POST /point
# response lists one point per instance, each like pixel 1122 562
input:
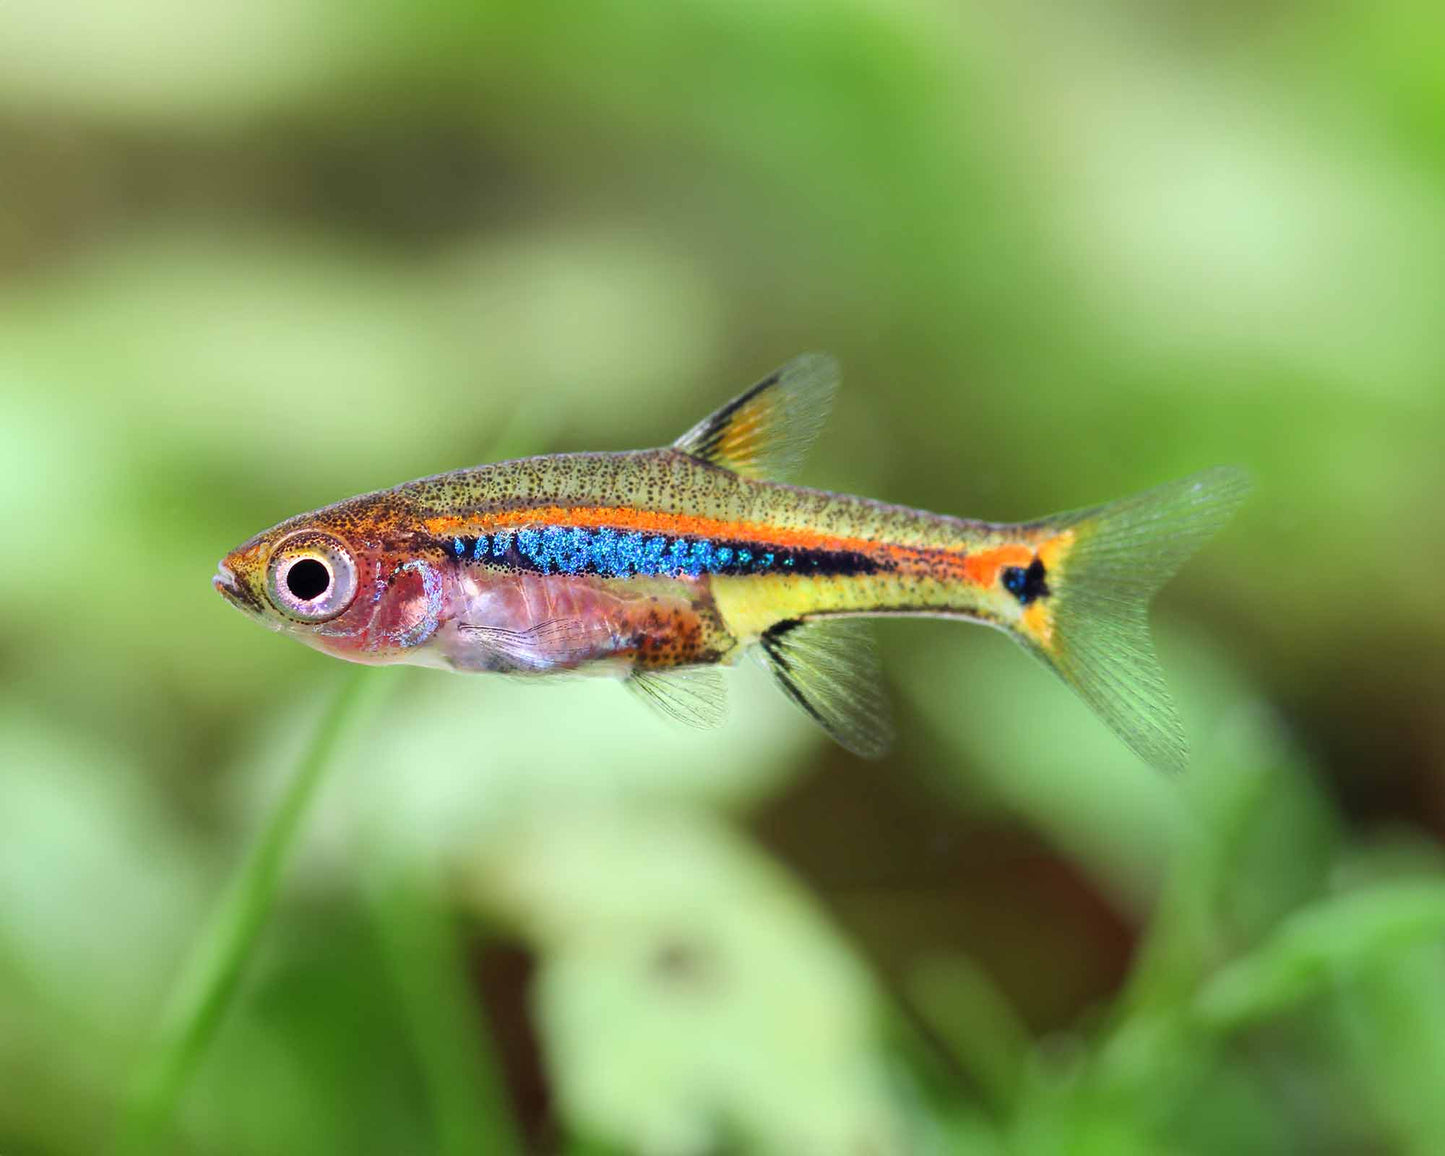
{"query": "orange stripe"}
pixel 980 568
pixel 682 525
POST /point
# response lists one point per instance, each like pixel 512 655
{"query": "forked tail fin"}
pixel 1104 565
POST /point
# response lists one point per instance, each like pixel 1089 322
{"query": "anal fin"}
pixel 829 668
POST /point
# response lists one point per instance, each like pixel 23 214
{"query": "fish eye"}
pixel 308 579
pixel 311 577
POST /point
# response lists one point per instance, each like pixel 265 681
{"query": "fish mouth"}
pixel 234 592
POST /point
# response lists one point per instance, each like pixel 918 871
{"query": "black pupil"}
pixel 308 579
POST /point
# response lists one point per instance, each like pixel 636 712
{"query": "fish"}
pixel 662 567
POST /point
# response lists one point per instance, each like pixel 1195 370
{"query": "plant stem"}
pixel 457 1060
pixel 210 975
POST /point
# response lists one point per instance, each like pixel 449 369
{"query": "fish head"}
pixel 331 580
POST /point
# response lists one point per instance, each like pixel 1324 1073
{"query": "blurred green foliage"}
pixel 258 257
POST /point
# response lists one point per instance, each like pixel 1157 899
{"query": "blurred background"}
pixel 257 257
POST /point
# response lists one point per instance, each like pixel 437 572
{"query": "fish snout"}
pixel 233 590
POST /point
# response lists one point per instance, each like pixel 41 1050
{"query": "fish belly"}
pixel 526 623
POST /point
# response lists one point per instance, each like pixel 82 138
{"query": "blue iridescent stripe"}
pixel 613 553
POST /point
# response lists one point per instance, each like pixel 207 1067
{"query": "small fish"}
pixel 661 566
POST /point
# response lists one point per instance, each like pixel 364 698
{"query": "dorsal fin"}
pixel 766 432
pixel 829 667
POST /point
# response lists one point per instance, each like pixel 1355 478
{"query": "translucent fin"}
pixel 693 695
pixel 829 667
pixel 1104 565
pixel 554 642
pixel 766 432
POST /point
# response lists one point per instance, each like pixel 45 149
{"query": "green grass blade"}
pixel 975 1021
pixel 461 1072
pixel 210 976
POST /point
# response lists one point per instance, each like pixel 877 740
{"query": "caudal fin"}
pixel 1104 565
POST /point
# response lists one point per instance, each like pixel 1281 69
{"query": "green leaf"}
pixel 689 994
pixel 1318 946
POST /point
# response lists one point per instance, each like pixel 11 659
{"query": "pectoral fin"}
pixel 554 643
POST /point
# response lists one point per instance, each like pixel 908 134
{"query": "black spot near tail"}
pixel 1026 585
